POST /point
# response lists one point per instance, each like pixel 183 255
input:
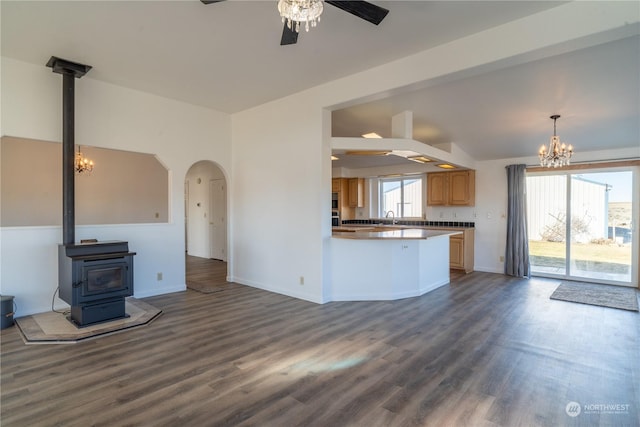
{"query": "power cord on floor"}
pixel 53 298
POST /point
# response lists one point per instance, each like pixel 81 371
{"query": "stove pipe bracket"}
pixel 70 71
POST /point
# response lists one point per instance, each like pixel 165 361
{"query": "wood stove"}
pixel 93 277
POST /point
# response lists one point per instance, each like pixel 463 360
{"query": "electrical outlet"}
pixel 301 280
pixel 159 276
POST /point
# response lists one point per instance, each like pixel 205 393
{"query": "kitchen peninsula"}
pixel 389 264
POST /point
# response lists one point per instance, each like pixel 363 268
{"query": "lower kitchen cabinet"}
pixel 461 248
pixel 456 252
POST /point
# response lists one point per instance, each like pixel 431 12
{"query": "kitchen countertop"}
pixel 352 228
pixel 400 226
pixel 394 233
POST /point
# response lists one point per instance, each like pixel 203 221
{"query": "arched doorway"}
pixel 206 212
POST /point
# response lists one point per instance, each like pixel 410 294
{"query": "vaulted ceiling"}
pixel 226 56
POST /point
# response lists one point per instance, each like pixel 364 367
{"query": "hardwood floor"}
pixel 487 350
pixel 206 271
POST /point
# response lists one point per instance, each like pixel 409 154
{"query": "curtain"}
pixel 516 260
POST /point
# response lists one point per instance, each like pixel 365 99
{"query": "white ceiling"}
pixel 227 57
pixel 505 113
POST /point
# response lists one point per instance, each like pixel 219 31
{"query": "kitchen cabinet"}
pixel 461 251
pixel 456 252
pixel 437 189
pixel 457 188
pixel 461 248
pixel 335 185
pixel 356 192
pixel 462 188
pixel 340 186
pixel 350 192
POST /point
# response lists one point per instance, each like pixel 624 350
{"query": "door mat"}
pixel 54 328
pixel 601 295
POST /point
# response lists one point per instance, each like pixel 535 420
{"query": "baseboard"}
pixel 281 291
pixel 488 270
pixel 159 291
pixel 387 296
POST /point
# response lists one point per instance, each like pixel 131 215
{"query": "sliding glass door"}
pixel 581 225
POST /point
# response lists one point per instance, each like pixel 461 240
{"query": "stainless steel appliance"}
pixel 335 219
pixel 334 200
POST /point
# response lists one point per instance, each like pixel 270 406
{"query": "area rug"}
pixel 54 328
pixel 602 295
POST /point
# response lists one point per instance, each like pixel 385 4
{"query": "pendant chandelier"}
pixel 82 164
pixel 294 12
pixel 558 154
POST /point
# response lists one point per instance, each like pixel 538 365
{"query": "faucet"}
pixel 393 217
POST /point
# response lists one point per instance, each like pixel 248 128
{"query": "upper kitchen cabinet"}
pixel 356 192
pixel 457 188
pixel 437 189
pixel 335 185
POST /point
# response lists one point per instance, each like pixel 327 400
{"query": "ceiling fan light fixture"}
pixel 295 12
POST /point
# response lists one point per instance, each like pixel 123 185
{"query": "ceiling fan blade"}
pixel 361 9
pixel 210 1
pixel 289 36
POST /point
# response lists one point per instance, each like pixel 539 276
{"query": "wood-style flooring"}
pixel 487 350
pixel 201 271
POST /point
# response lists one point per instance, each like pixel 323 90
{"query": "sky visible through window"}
pixel 620 184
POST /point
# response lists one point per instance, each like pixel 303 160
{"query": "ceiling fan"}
pixel 362 9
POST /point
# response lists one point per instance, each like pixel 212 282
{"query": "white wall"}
pixel 281 190
pixel 112 117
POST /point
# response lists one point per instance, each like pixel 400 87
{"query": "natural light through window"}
pixel 580 225
pixel 401 197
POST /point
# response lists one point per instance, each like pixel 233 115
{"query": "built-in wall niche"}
pixel 124 188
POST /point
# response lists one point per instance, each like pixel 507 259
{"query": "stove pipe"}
pixel 70 71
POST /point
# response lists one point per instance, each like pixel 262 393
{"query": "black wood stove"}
pixel 93 277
